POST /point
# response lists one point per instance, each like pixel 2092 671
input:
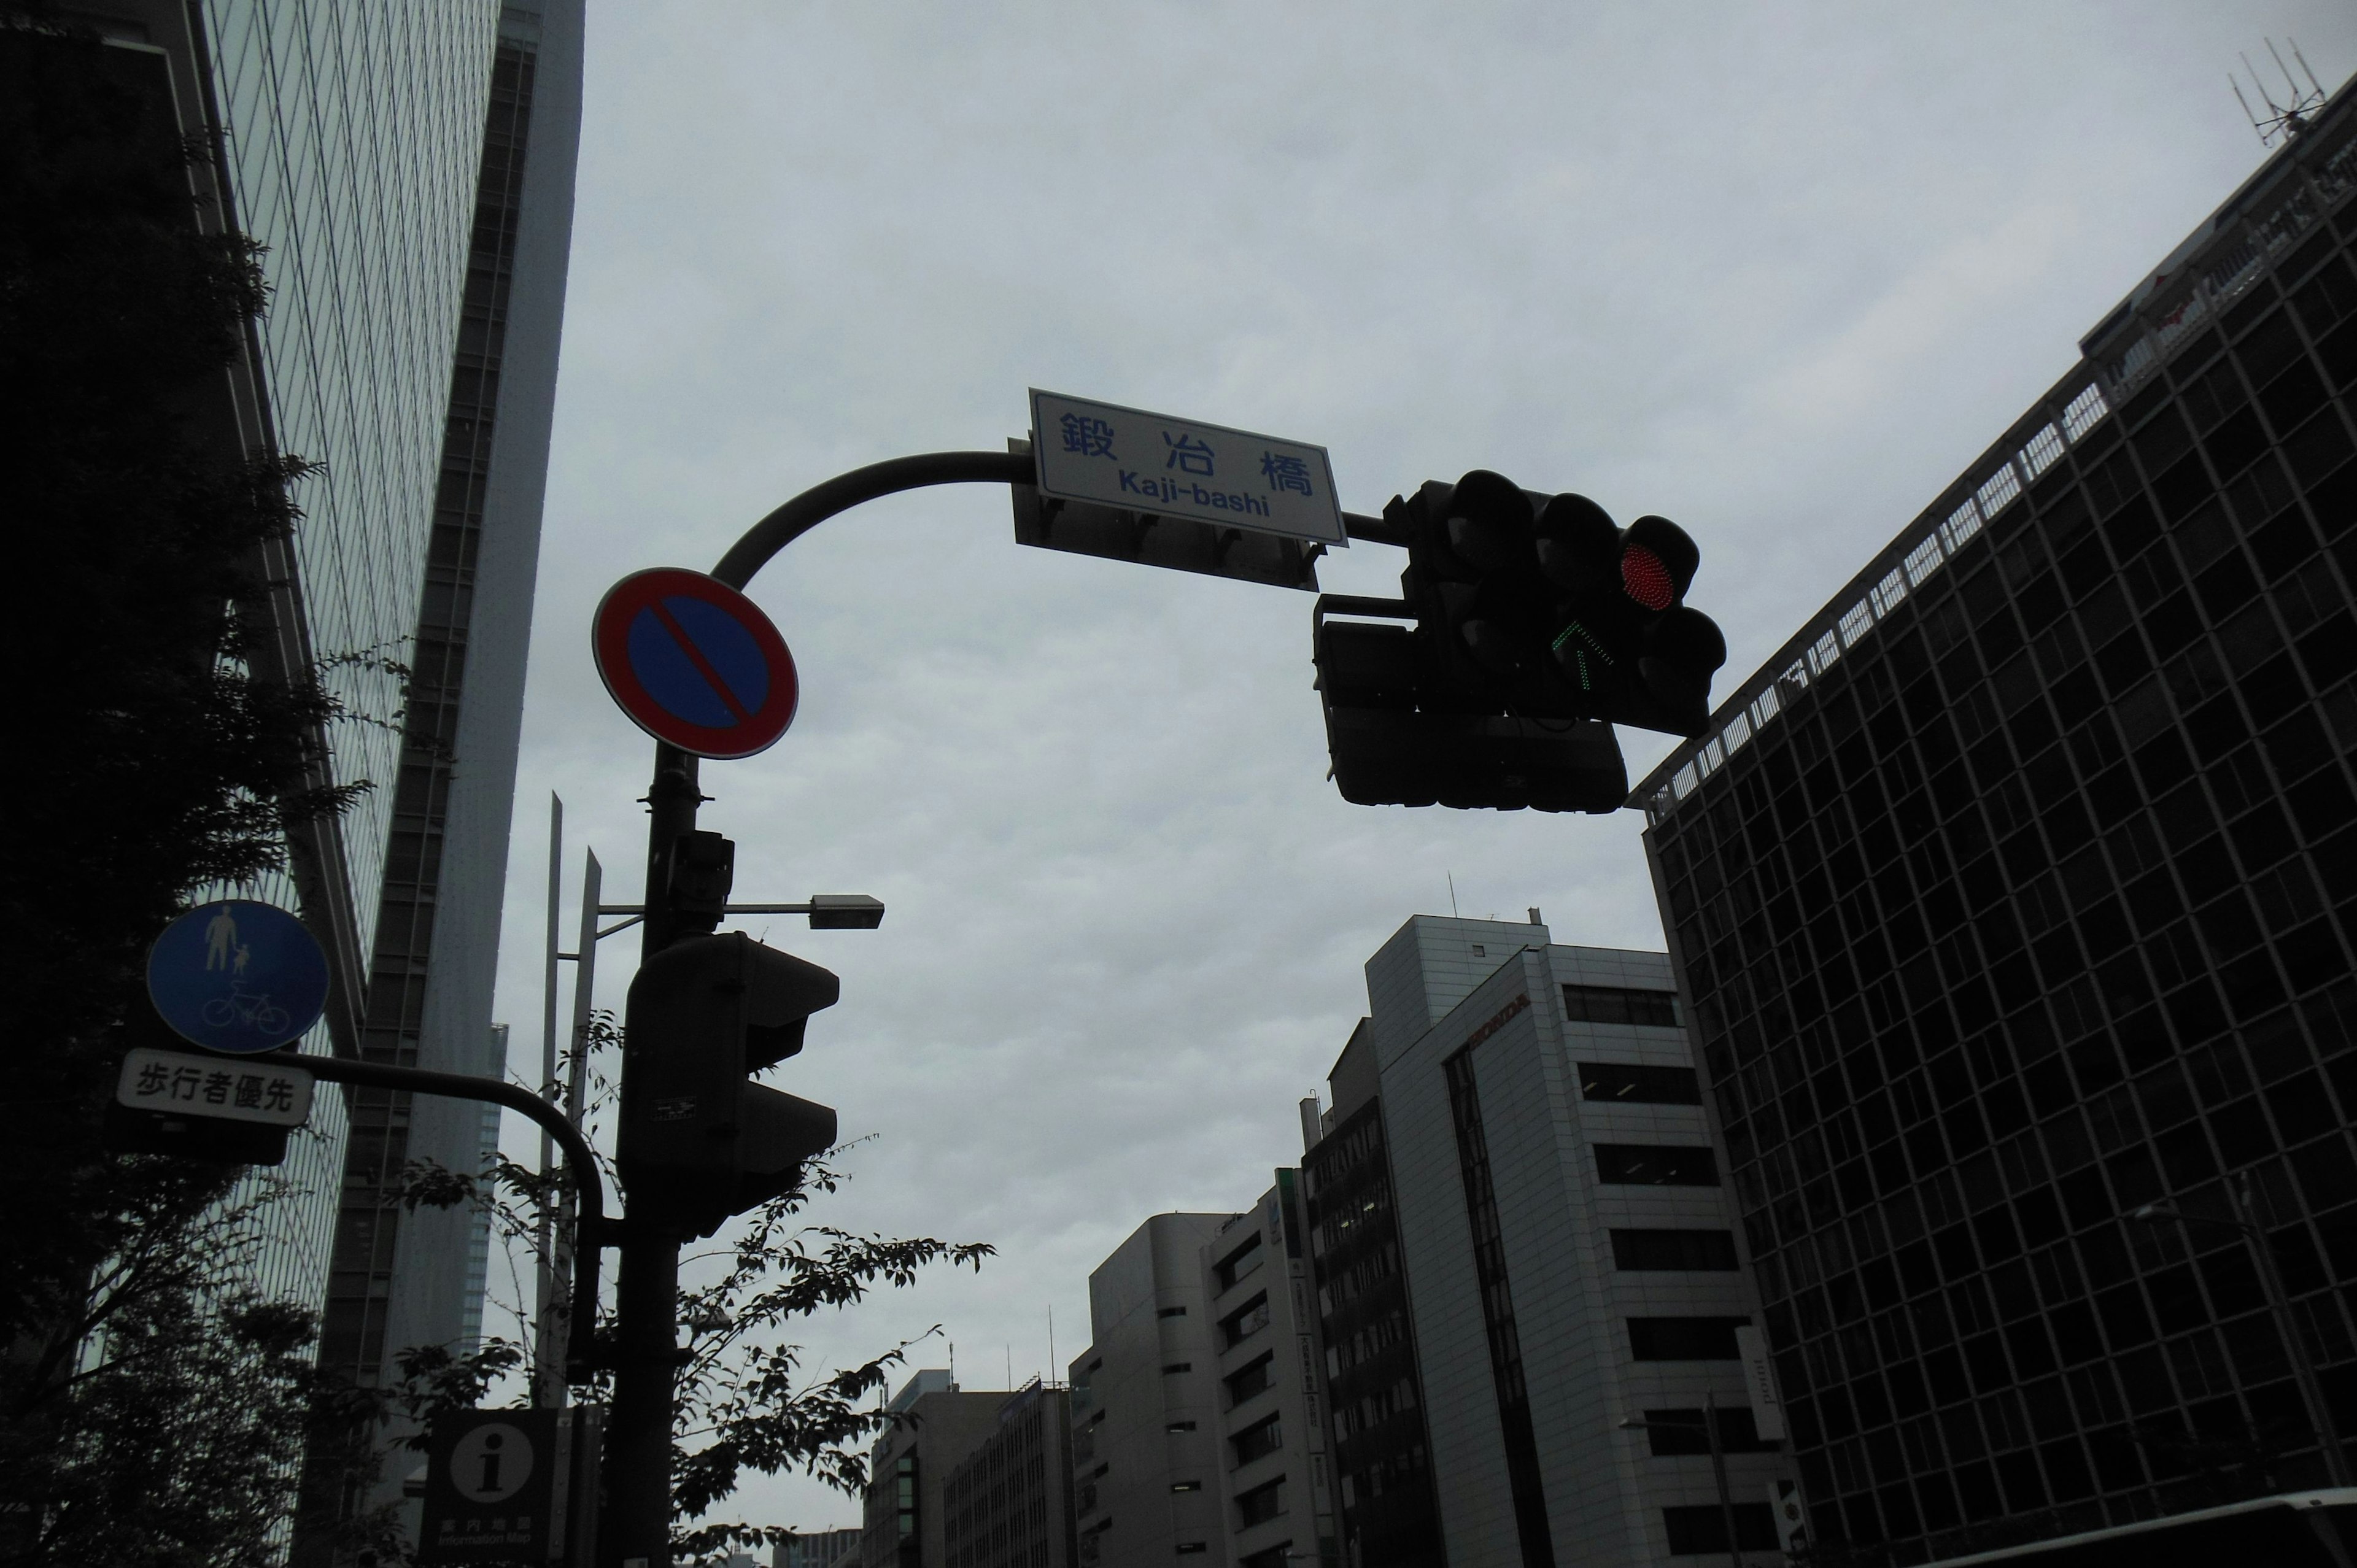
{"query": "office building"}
pixel 1275 1473
pixel 1008 1504
pixel 407 172
pixel 817 1549
pixel 906 1522
pixel 2014 895
pixel 1145 1402
pixel 1388 1516
pixel 1566 1255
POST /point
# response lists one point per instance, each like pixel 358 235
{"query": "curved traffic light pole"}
pixel 579 1160
pixel 637 1533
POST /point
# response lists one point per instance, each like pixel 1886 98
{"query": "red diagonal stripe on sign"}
pixel 695 657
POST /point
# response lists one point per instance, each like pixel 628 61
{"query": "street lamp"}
pixel 1709 1424
pixel 2311 1393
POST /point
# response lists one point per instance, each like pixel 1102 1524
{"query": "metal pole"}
pixel 547 1387
pixel 2311 1393
pixel 1718 1468
pixel 646 1340
pixel 576 1091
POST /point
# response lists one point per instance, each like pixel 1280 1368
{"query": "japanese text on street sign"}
pixel 1110 456
pixel 244 1090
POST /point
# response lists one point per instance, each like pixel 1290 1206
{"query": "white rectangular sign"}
pixel 1109 456
pixel 1767 1410
pixel 229 1088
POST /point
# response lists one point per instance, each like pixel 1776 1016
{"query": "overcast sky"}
pixel 1778 273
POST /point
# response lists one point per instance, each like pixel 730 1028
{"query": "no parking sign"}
pixel 695 662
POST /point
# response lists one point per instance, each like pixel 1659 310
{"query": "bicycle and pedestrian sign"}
pixel 238 976
pixel 1105 455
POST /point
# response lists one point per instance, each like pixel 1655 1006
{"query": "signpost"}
pixel 272 1093
pixel 238 976
pixel 511 1485
pixel 1109 456
pixel 695 663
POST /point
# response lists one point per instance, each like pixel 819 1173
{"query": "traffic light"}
pixel 698 1143
pixel 1542 605
pixel 1538 625
pixel 1402 734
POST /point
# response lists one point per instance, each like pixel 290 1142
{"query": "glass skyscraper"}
pixel 407 169
pixel 2015 894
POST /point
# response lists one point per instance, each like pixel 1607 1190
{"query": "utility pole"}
pixel 646 1342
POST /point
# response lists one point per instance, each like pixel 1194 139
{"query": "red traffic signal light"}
pixel 699 1142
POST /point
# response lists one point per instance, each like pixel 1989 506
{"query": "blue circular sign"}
pixel 238 976
pixel 695 662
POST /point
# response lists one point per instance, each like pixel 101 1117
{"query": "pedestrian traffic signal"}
pixel 698 1143
pixel 1540 606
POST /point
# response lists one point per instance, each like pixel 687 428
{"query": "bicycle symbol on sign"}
pixel 254 1011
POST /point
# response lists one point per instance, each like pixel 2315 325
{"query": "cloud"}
pixel 1775 271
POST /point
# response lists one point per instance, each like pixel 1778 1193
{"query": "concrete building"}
pixel 408 172
pixel 1567 1254
pixel 1275 1474
pixel 2015 893
pixel 1145 1402
pixel 818 1548
pixel 1008 1504
pixel 907 1513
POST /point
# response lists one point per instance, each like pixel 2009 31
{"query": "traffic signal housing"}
pixel 1540 605
pixel 699 1142
pixel 1538 624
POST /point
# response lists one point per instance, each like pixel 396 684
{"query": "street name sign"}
pixel 238 976
pixel 695 663
pixel 1105 455
pixel 273 1092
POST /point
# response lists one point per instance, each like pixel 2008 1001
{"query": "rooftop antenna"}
pixel 2285 120
pixel 1052 1364
pixel 1452 895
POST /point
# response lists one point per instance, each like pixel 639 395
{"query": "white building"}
pixel 1568 1252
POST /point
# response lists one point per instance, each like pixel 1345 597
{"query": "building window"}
pixel 1238 1264
pixel 1245 1322
pixel 1180 1426
pixel 1193 1548
pixel 1697 1250
pixel 1684 1339
pixel 1633 1085
pixel 1679 1432
pixel 1168 1368
pixel 1701 1528
pixel 1185 1486
pixel 1254 1377
pixel 1656 1164
pixel 1172 1312
pixel 1618 1005
pixel 1258 1441
pixel 1260 1503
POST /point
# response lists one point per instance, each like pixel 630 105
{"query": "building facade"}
pixel 416 262
pixel 1567 1250
pixel 1008 1504
pixel 1145 1402
pixel 906 1522
pixel 1276 1486
pixel 817 1549
pixel 1387 1515
pixel 2015 893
